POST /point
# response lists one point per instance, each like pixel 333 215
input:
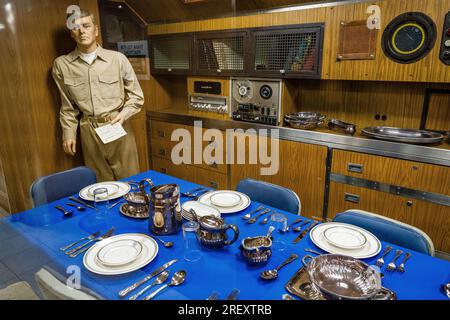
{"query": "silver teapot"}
pixel 212 231
pixel 164 207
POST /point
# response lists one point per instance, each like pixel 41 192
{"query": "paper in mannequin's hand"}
pixel 110 133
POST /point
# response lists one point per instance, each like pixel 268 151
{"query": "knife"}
pixel 126 291
pixel 304 233
pixel 81 202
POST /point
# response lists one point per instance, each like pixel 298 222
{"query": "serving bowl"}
pixel 339 277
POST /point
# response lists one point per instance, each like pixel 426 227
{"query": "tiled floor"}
pixel 19 261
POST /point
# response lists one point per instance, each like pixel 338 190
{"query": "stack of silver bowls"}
pixel 304 120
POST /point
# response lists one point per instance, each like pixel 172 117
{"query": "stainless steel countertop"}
pixel 404 151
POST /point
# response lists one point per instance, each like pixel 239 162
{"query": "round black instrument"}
pixel 266 92
pixel 409 37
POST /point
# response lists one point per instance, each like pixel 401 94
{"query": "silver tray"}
pixel 403 135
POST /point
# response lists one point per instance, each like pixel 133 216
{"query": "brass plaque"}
pixel 357 41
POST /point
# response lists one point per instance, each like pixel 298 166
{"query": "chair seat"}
pixel 389 230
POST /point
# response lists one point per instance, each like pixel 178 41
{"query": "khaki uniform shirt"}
pixel 108 84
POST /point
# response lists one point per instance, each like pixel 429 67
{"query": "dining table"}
pixel 32 239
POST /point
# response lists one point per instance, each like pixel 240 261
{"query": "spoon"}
pixel 249 215
pixel 79 208
pixel 66 213
pixel 266 219
pixel 177 279
pixel 273 274
pixel 161 279
pixel 166 244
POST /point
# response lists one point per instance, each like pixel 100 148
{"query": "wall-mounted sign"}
pixel 137 53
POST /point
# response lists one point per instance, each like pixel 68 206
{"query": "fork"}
pixel 401 267
pixel 213 296
pixel 251 221
pixel 380 261
pixel 391 266
pixel 78 250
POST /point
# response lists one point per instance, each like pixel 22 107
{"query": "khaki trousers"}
pixel 113 161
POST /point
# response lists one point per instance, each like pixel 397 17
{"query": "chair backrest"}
pixel 53 287
pixel 389 230
pixel 60 185
pixel 271 195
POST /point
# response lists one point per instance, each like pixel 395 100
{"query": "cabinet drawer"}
pixel 433 219
pixel 163 130
pixel 403 173
pixel 167 167
pixel 210 179
pixel 162 148
pixel 191 173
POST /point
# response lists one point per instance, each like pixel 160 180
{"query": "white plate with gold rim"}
pixel 371 248
pixel 115 189
pixel 149 252
pixel 242 205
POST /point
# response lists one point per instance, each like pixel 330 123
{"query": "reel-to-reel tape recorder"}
pixel 256 100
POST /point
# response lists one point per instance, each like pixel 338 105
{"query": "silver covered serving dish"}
pixel 403 135
pixel 339 277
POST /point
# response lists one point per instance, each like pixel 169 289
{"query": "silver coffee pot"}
pixel 164 207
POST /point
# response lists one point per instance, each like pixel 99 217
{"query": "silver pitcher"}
pixel 164 207
pixel 212 231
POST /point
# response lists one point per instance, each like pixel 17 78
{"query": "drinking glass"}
pixel 191 245
pixel 279 221
pixel 97 220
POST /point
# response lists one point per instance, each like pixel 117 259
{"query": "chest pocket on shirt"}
pixel 77 88
pixel 109 86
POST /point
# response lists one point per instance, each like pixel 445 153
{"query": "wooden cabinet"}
pixel 396 172
pixel 293 51
pixel 191 173
pixel 288 51
pixel 214 175
pixel 306 178
pixel 221 53
pixel 433 219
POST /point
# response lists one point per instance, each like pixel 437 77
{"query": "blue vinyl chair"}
pixel 389 230
pixel 271 195
pixel 60 185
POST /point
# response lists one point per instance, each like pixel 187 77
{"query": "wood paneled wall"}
pixel 34 35
pixel 359 102
pixel 4 201
pixel 429 69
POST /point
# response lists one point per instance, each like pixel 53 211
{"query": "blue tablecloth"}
pixel 220 270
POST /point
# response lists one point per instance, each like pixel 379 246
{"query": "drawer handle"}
pixel 351 198
pixel 161 134
pixel 162 152
pixel 214 185
pixel 214 165
pixel 354 167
